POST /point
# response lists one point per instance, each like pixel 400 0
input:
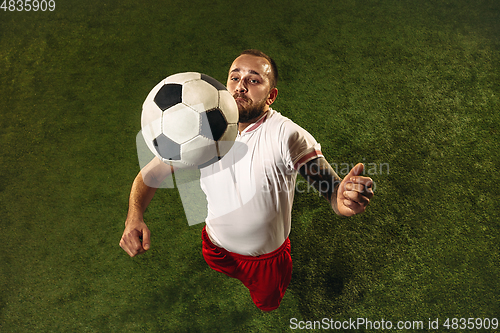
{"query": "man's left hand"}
pixel 354 192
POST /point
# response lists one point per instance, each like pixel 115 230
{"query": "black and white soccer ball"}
pixel 189 120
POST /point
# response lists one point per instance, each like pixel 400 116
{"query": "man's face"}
pixel 249 83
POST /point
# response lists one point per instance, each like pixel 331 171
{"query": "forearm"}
pixel 333 203
pixel 145 185
pixel 320 175
pixel 140 197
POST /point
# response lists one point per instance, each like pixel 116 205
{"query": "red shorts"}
pixel 266 276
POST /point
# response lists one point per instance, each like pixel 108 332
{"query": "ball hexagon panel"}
pixel 217 85
pixel 181 78
pixel 153 92
pixel 227 140
pixel 168 95
pixel 199 149
pixel 151 123
pixel 200 95
pixel 181 123
pixel 166 148
pixel 213 124
pixel 228 106
pixel 151 120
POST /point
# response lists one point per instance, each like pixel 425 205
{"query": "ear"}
pixel 272 96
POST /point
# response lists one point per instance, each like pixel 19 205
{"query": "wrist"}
pixel 134 217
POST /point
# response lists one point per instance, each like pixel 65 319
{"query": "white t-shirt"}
pixel 250 190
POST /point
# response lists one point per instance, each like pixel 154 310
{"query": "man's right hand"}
pixel 134 232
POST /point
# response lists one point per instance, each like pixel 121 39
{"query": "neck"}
pixel 242 126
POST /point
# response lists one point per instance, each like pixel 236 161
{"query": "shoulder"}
pixel 296 145
pixel 289 131
pixel 283 126
pixel 275 118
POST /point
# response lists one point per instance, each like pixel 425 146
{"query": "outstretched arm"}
pixel 140 197
pixel 347 197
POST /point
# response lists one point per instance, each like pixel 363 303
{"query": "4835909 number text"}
pixel 28 5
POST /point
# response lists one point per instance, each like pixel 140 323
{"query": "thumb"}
pixel 146 239
pixel 356 171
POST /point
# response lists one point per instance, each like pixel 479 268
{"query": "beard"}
pixel 248 110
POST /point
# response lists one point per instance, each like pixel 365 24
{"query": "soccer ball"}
pixel 189 120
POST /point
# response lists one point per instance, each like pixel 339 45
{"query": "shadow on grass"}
pixel 322 284
pixel 191 298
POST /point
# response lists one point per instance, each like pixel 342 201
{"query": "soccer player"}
pixel 250 198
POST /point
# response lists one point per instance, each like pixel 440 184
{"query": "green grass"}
pixel 411 84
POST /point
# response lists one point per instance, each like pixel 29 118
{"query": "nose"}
pixel 240 87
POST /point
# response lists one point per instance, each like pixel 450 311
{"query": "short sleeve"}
pixel 297 145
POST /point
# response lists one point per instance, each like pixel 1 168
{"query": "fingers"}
pixel 356 171
pixel 355 194
pixel 129 245
pixel 131 241
pixel 353 206
pixel 348 207
pixel 359 186
pixel 356 197
pixel 146 242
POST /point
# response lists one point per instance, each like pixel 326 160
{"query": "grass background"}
pixel 411 84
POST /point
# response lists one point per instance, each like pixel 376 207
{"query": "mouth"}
pixel 239 98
